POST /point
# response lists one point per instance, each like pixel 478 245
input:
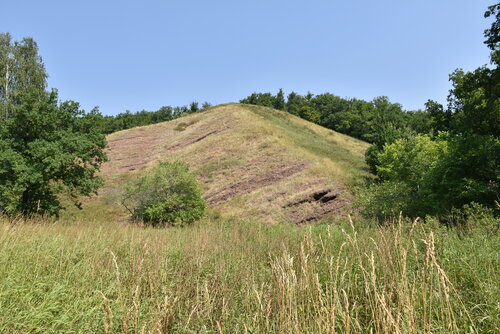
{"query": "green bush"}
pixel 385 200
pixel 169 195
pixel 474 216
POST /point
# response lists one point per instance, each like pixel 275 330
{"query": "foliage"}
pixel 457 163
pixel 279 101
pixel 474 102
pixel 128 119
pixel 408 160
pixel 439 174
pixel 474 216
pixel 385 200
pixel 493 33
pixel 21 69
pixel 405 167
pixel 47 148
pixel 467 173
pixel 169 195
pixel 260 99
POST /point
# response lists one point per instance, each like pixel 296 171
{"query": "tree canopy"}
pixel 47 147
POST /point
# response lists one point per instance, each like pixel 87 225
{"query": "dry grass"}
pixel 251 161
pixel 226 277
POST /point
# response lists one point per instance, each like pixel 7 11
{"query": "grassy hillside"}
pixel 252 162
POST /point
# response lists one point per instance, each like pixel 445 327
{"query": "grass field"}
pixel 226 277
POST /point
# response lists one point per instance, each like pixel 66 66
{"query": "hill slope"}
pixel 252 162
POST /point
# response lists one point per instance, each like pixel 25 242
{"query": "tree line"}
pixel 128 119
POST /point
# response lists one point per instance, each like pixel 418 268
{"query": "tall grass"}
pixel 226 277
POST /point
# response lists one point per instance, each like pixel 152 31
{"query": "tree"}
pixel 163 114
pixel 279 101
pixel 194 107
pixel 47 149
pixel 467 173
pixel 294 103
pixel 493 33
pixel 310 114
pixel 205 105
pixel 260 99
pixel 21 69
pixel 406 168
pixel 168 195
pixel 440 119
pixel 470 172
pixel 474 102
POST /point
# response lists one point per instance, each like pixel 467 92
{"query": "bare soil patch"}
pixel 134 151
pixel 320 203
pixel 196 139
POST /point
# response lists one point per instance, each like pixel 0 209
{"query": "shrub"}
pixel 384 200
pixel 169 195
pixel 474 216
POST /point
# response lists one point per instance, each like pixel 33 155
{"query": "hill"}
pixel 252 162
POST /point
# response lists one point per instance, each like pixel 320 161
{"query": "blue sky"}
pixel 137 55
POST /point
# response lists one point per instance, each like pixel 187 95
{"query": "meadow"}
pixel 222 276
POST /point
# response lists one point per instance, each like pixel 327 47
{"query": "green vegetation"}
pixel 458 163
pixel 21 70
pixel 168 195
pixel 47 148
pixel 434 161
pixel 128 119
pixel 236 277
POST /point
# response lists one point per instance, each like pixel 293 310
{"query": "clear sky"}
pixel 137 55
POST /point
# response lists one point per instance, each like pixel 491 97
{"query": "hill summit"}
pixel 253 163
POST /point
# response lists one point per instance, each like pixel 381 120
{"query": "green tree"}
pixel 279 101
pixel 474 102
pixel 206 105
pixel 47 149
pixel 260 99
pixel 405 167
pixel 467 173
pixel 21 69
pixel 440 119
pixel 310 114
pixel 294 103
pixel 194 107
pixel 168 195
pixel 493 33
pixel 470 172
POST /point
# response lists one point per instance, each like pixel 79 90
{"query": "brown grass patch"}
pixel 254 183
pixel 195 139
